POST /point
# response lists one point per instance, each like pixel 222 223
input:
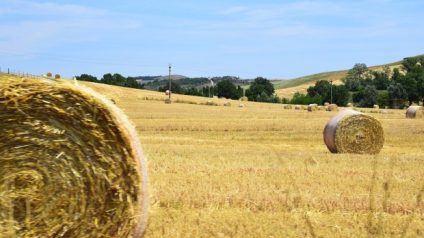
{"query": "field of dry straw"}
pixel 262 171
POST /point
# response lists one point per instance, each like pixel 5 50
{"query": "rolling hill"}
pixel 287 88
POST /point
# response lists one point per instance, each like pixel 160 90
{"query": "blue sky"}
pixel 273 39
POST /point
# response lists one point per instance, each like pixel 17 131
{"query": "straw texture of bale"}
pixel 297 107
pixel 415 112
pixel 287 106
pixel 71 164
pixel 312 107
pixel 350 131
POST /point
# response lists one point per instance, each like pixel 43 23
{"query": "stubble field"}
pixel 262 171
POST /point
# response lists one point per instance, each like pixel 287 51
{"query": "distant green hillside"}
pixel 280 84
pixel 332 75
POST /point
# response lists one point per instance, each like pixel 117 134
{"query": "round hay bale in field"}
pixel 376 106
pixel 287 106
pixel 71 163
pixel 297 107
pixel 227 104
pixel 332 108
pixel 312 107
pixel 244 99
pixel 349 104
pixel 350 131
pixel 326 104
pixel 415 112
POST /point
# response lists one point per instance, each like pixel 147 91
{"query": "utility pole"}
pixel 331 91
pixel 169 77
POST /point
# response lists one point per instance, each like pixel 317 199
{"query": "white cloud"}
pixel 47 24
pixel 23 7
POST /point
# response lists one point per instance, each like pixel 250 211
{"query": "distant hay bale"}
pixel 287 106
pixel 350 104
pixel 244 99
pixel 49 75
pixel 350 131
pixel 57 76
pixel 326 104
pixel 321 108
pixel 415 112
pixel 297 107
pixel 167 92
pixel 71 163
pixel 312 107
pixel 211 103
pixel 227 104
pixel 331 108
pixel 376 106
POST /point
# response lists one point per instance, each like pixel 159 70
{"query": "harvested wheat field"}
pixel 261 171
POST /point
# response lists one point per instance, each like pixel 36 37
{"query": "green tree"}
pixel 354 80
pixel 383 99
pixel 397 94
pixel 227 89
pixel 381 80
pixel 299 98
pixel 258 86
pixel 340 95
pixel 369 96
pixel 87 77
pixel 175 88
pixel 323 89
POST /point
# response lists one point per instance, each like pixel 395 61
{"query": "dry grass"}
pixel 260 171
pixel 246 172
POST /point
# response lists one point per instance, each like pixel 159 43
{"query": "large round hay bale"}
pixel 415 112
pixel 287 106
pixel 71 164
pixel 350 131
pixel 297 107
pixel 312 107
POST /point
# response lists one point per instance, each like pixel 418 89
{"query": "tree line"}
pixel 112 79
pixel 364 87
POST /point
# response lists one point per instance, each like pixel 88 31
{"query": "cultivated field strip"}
pixel 261 171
